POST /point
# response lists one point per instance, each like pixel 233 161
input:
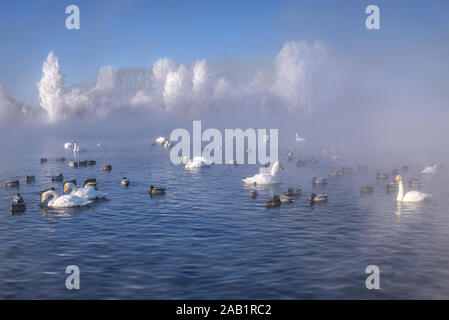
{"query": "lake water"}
pixel 206 239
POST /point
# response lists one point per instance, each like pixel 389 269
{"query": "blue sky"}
pixel 137 33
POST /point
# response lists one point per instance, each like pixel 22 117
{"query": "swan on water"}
pixel 64 201
pixel 265 177
pixel 89 193
pixel 163 142
pixel 299 139
pixel 431 169
pixel 265 138
pixel 197 162
pixel 411 196
pixel 77 148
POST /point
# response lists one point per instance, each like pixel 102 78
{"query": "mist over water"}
pixel 307 88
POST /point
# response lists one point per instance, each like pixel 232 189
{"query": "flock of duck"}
pixel 268 175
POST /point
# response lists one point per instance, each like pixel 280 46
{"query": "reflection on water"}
pixel 206 238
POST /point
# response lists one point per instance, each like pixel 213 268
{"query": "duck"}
pixel 335 173
pixel 414 183
pixel 318 197
pixel 273 202
pixel 252 193
pixel 43 160
pixel 390 187
pixel 58 177
pixel 366 189
pixel 265 178
pixel 316 180
pixel 380 176
pixel 99 145
pixel 82 163
pixel 289 156
pixel 154 191
pixel 431 169
pixel 87 192
pixel 18 205
pixel 12 184
pixel 106 167
pixel 293 192
pixel 64 201
pixel 346 170
pixel 73 164
pixel 298 161
pixel 334 157
pixel 29 179
pixel 411 196
pixel 125 182
pixel 314 160
pixel 68 145
pixel 286 199
pixel 197 162
pixel 90 183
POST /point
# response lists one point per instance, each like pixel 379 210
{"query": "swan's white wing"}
pixel 68 201
pixel 416 196
pixel 161 140
pixel 90 194
pixel 260 178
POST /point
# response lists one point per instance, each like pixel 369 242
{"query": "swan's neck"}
pixel 275 169
pixel 401 191
pixel 53 196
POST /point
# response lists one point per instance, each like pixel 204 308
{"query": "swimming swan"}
pixel 299 139
pixel 87 193
pixel 197 162
pixel 265 178
pixel 163 142
pixel 432 169
pixel 64 201
pixel 411 196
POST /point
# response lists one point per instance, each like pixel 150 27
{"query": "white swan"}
pixel 411 196
pixel 197 162
pixel 77 148
pixel 265 138
pixel 299 139
pixel 265 177
pixel 64 201
pixel 88 193
pixel 163 142
pixel 432 169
